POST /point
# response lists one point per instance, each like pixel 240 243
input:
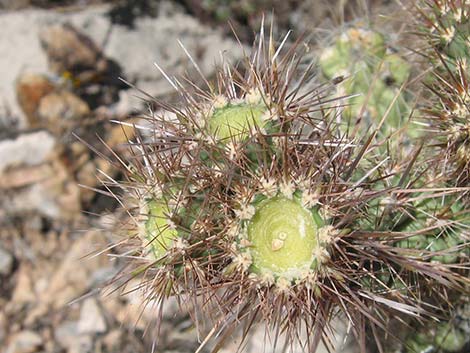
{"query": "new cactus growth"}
pixel 230 121
pixel 283 236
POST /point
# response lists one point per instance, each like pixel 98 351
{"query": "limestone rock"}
pixel 26 150
pixel 30 89
pixel 24 290
pixel 68 337
pixel 91 318
pixel 133 49
pixel 45 188
pixel 73 277
pixel 69 50
pixel 157 40
pixel 6 262
pixel 20 52
pixel 25 342
pixel 112 340
pixel 66 333
pixel 84 344
pixel 60 109
pixel 3 324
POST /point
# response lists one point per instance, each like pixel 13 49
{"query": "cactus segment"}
pixel 450 338
pixel 362 54
pixel 283 239
pixel 234 121
pixel 445 337
pixel 353 47
pixel 158 230
pixel 283 236
pixel 454 34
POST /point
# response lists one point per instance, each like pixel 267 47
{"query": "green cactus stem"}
pixel 234 121
pixel 362 54
pixel 283 236
pixel 445 337
pixel 158 230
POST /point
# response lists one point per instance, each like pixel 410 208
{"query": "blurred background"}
pixel 60 69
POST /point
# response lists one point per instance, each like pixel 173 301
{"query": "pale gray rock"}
pixel 21 51
pixel 73 276
pixel 91 318
pixel 83 344
pixel 25 342
pixel 134 49
pixel 66 334
pixel 26 149
pixel 71 340
pixel 32 178
pixel 6 262
pixel 156 40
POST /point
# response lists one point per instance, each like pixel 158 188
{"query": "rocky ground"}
pixel 60 86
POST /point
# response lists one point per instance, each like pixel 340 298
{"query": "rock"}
pixel 21 51
pixel 3 323
pixel 23 176
pixel 14 4
pixel 24 290
pixel 87 176
pixel 112 341
pixel 156 40
pixel 60 109
pixel 134 50
pixel 33 178
pixel 69 50
pixel 26 149
pixel 83 344
pixel 69 338
pixel 25 342
pixel 46 189
pixel 30 89
pixel 6 262
pixel 91 318
pixel 66 334
pixel 73 277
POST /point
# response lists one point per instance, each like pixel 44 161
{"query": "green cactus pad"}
pixel 398 70
pixel 454 36
pixel 363 41
pixel 234 121
pixel 450 338
pixel 443 338
pixel 157 232
pixel 283 237
pixel 355 47
pixel 362 54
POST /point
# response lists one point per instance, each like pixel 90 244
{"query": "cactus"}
pixel 446 24
pixel 375 74
pixel 441 337
pixel 444 28
pixel 254 205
